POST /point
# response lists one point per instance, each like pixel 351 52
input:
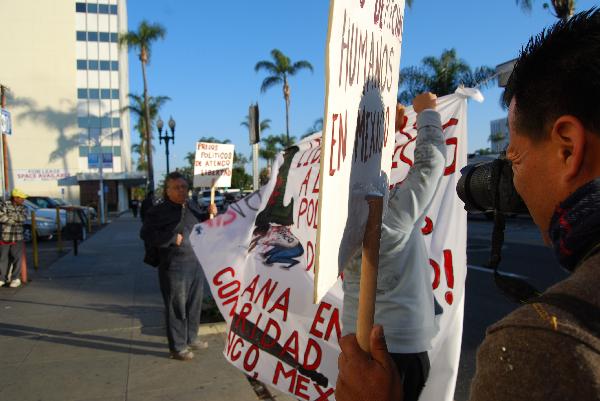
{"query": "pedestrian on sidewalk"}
pixel 134 205
pixel 168 226
pixel 12 216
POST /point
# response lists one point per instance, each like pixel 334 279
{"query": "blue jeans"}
pixel 182 287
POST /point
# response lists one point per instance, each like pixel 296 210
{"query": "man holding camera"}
pixel 548 349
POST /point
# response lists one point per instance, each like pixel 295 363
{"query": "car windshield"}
pixel 206 194
pixel 43 202
pixel 30 204
pixel 60 202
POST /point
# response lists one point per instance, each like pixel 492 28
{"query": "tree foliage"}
pixel 279 70
pixel 441 75
pixel 561 9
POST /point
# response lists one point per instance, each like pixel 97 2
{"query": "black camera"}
pixel 488 187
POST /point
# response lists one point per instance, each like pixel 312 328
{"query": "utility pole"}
pixel 3 90
pixel 254 126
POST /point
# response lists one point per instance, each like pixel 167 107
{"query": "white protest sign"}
pixel 258 257
pixel 363 66
pixel 213 165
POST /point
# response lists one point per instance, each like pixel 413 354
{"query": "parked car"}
pixel 204 200
pixel 89 211
pixel 45 212
pixel 45 228
pixel 52 203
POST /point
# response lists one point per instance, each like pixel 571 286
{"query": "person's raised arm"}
pixel 410 199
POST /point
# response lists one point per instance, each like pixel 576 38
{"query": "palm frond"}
pixel 300 65
pixel 269 82
pixel 267 66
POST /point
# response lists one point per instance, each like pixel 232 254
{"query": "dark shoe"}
pixel 185 355
pixel 198 345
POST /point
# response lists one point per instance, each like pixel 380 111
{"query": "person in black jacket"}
pixel 147 204
pixel 167 226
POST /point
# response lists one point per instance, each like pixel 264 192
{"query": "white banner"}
pixel 363 66
pixel 259 259
pixel 213 165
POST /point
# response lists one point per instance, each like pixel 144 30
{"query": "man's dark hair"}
pixel 558 73
pixel 175 175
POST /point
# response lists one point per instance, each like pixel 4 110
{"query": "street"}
pixel 523 254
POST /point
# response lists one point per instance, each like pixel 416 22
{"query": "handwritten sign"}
pixel 263 282
pixel 363 63
pixel 213 165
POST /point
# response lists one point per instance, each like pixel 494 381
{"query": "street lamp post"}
pixel 166 137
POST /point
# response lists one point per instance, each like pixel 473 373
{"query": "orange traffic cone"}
pixel 24 265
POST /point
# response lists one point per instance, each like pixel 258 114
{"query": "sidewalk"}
pixel 90 328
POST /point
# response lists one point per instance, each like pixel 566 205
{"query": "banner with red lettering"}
pixel 259 259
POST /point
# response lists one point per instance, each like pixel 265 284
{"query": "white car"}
pixel 45 228
pixel 204 200
pixel 49 214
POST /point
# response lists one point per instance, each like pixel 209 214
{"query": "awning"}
pixel 132 178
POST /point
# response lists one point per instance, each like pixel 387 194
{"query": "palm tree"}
pixel 563 9
pixel 264 124
pixel 280 69
pixel 273 144
pixel 142 39
pixel 137 107
pixel 316 127
pixel 441 76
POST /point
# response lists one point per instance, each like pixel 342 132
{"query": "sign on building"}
pixel 93 159
pixel 5 122
pixel 213 165
pixel 363 65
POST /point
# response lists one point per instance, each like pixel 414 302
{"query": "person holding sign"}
pixel 549 348
pixel 405 301
pixel 168 226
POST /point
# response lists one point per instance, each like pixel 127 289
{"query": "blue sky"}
pixel 206 61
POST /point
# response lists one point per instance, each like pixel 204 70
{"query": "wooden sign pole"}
pixel 212 197
pixel 368 272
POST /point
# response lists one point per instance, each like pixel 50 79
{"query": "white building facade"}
pixel 68 81
pixel 499 129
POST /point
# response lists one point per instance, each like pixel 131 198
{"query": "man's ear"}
pixel 568 136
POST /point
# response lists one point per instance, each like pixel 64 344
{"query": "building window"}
pixel 82 64
pixel 81 35
pixel 115 93
pixel 94 94
pixel 93 65
pixel 82 122
pixel 80 7
pixel 105 65
pixel 116 150
pixel 92 36
pixel 116 122
pixel 105 93
pixel 92 8
pixel 103 8
pixel 81 93
pixel 114 37
pixel 114 65
pixel 104 37
pixel 113 9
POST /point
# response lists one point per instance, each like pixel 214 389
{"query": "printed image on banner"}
pixel 213 165
pixel 363 66
pixel 259 260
